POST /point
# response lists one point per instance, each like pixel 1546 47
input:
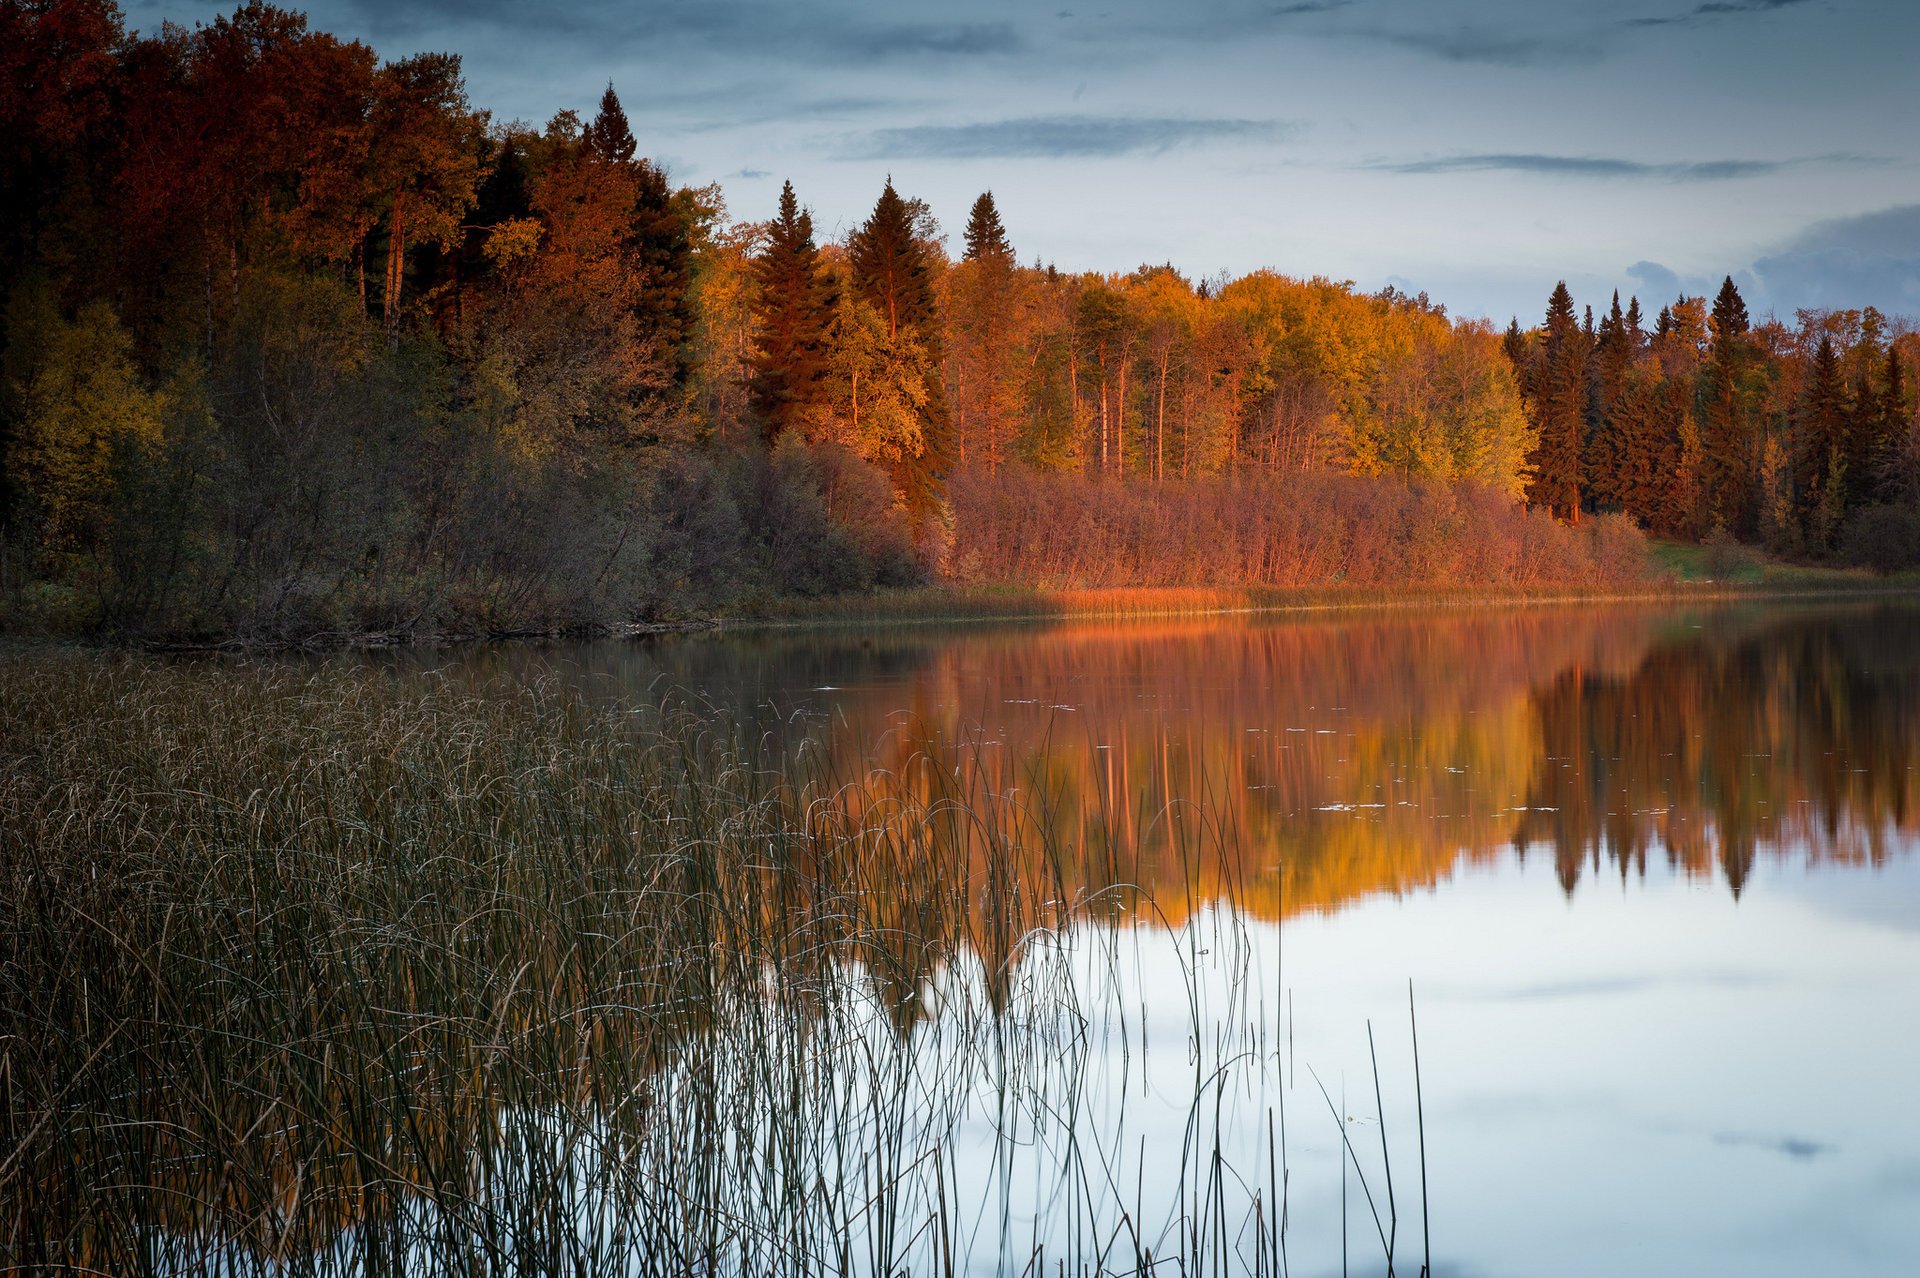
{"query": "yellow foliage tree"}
pixel 84 409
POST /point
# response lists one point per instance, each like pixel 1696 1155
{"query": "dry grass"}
pixel 315 970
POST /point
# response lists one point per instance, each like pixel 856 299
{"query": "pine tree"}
pixel 795 313
pixel 609 137
pixel 1821 446
pixel 1559 410
pixel 892 271
pixel 656 244
pixel 1514 342
pixel 663 250
pixel 982 376
pixel 1891 434
pixel 1605 451
pixel 986 237
pixel 1726 434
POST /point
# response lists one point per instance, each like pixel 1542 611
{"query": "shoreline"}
pixel 957 606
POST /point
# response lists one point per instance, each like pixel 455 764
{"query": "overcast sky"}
pixel 1477 149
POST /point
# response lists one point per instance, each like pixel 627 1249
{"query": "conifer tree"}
pixel 663 249
pixel 892 271
pixel 1514 342
pixel 1820 473
pixel 656 243
pixel 1726 432
pixel 986 237
pixel 795 311
pixel 1558 404
pixel 609 137
pixel 1605 451
pixel 982 382
pixel 1891 432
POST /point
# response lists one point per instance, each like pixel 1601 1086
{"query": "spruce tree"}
pixel 1726 440
pixel 1559 410
pixel 795 315
pixel 986 237
pixel 656 243
pixel 1514 342
pixel 608 137
pixel 892 271
pixel 1821 446
pixel 981 340
pixel 1890 439
pixel 1605 451
pixel 663 249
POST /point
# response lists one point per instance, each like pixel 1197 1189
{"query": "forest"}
pixel 299 342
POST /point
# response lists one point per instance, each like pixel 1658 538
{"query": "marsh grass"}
pixel 324 970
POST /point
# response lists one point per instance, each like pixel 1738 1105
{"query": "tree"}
pixel 1892 425
pixel 1821 447
pixel 794 314
pixel 984 361
pixel 1726 434
pixel 891 270
pixel 986 238
pixel 427 160
pixel 83 410
pixel 1604 454
pixel 1558 405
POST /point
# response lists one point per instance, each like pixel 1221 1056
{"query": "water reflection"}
pixel 1330 760
pixel 999 973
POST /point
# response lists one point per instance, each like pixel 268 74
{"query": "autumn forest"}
pixel 300 342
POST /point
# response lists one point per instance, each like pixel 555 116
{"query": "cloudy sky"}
pixel 1477 149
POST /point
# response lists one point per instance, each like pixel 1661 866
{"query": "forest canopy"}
pixel 300 340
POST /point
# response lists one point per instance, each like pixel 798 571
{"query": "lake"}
pixel 1639 882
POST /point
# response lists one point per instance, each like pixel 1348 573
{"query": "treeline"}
pixel 298 340
pixel 1801 437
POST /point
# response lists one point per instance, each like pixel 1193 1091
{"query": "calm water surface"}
pixel 1650 874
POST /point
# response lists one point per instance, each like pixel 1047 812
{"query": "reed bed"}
pixel 317 969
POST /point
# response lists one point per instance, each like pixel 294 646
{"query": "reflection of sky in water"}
pixel 1628 1068
pixel 1655 1079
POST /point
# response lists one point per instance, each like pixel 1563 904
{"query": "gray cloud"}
pixel 1491 47
pixel 1658 281
pixel 1311 6
pixel 1603 166
pixel 949 38
pixel 1716 9
pixel 1871 259
pixel 1057 136
pixel 1798 1148
pixel 736 27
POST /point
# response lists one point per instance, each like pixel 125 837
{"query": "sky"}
pixel 1478 150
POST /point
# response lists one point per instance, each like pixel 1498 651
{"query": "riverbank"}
pixel 1686 579
pixel 1683 581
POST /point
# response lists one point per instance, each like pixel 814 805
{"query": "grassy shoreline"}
pixel 934 605
pixel 1683 574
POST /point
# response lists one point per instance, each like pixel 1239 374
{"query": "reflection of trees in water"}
pixel 1316 764
pixel 1793 736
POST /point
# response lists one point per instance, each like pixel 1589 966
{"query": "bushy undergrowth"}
pixel 1288 529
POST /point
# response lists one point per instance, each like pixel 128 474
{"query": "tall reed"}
pixel 323 970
